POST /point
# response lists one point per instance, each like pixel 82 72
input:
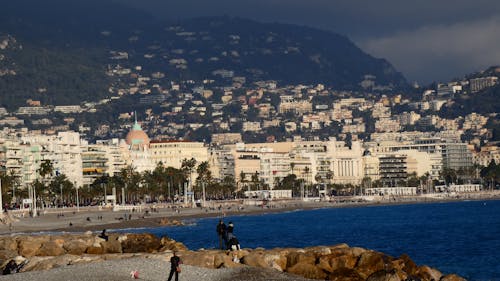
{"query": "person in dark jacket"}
pixel 229 234
pixel 234 244
pixel 221 232
pixel 175 267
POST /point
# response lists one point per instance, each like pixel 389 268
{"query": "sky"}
pixel 427 40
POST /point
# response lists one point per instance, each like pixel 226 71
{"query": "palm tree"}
pixel 255 180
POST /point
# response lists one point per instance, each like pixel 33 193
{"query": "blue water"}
pixel 456 237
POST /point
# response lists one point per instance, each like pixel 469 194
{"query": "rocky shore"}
pixel 87 257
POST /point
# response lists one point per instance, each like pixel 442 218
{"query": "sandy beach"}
pixel 150 269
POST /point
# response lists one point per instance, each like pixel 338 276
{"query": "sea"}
pixel 454 237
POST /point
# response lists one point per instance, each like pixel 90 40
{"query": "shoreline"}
pixel 88 220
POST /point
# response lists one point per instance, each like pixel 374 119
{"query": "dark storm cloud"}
pixel 425 39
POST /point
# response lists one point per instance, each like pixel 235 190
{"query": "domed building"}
pixel 137 137
pixel 138 145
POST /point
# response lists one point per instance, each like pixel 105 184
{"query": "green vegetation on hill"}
pixel 59 77
pixel 66 52
pixel 484 102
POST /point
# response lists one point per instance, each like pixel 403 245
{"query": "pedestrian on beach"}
pixel 221 233
pixel 175 266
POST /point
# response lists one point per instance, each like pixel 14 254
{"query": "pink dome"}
pixel 137 136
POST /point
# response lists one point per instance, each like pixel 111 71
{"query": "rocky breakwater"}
pixel 43 252
pixel 340 262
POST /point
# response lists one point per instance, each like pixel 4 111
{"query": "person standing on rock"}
pixel 175 266
pixel 229 234
pixel 221 232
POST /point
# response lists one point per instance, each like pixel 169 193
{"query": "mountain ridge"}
pixel 186 49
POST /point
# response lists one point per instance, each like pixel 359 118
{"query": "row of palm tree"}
pixel 169 184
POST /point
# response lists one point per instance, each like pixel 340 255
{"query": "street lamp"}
pixel 77 198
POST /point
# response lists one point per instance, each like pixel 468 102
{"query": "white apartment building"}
pixel 171 153
pixel 64 152
pixel 347 162
pixel 274 166
pixel 479 84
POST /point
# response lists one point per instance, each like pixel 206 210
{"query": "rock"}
pixel 307 270
pixel 255 259
pixel 51 248
pixel 76 247
pixel 320 251
pixel 45 263
pixel 8 244
pixel 357 251
pixel 300 257
pixel 172 245
pixel 226 260
pixel 427 273
pixel 201 259
pixel 336 261
pixel 384 275
pixel 141 243
pixel 112 245
pixel 409 265
pixel 370 262
pixel 95 249
pixel 29 246
pixel 452 277
pixel 6 255
pixel 345 274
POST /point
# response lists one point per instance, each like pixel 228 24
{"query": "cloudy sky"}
pixel 428 40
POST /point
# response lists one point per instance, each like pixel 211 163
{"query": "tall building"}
pixel 393 169
pixel 63 151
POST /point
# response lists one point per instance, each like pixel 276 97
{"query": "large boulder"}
pixel 410 267
pixel 76 246
pixel 307 270
pixel 141 243
pixel 8 243
pixel 200 259
pixel 300 256
pixel 452 277
pixel 370 262
pixel 345 274
pixel 427 273
pixel 172 245
pixel 255 259
pixel 29 246
pixel 384 275
pixel 112 245
pixel 226 260
pixel 336 261
pixel 51 248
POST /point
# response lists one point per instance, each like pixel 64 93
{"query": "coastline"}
pixel 89 219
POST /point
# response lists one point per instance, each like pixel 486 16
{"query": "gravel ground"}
pixel 149 269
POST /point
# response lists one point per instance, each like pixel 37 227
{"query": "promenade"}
pixel 149 215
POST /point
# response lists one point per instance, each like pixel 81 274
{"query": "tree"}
pixel 204 175
pixel 46 169
pixel 9 183
pixel 255 181
pixel 60 188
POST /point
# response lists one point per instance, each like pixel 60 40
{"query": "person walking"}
pixel 221 232
pixel 175 266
